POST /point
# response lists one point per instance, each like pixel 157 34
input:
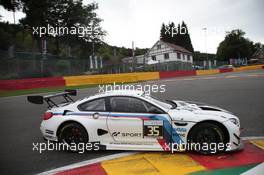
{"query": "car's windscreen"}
pixel 159 101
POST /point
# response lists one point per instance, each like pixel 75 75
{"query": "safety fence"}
pixel 22 65
pixel 67 81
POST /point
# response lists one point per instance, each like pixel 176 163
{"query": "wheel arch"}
pixel 219 124
pixel 67 122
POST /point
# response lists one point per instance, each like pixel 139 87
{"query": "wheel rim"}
pixel 208 136
pixel 72 134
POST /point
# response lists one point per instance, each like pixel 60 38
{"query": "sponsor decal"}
pixel 115 134
pixel 182 134
pixel 126 134
pixel 131 134
pixel 181 129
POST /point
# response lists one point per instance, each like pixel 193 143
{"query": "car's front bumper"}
pixel 234 136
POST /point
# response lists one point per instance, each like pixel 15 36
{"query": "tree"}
pixel 185 38
pixel 63 14
pixel 256 47
pixel 12 5
pixel 5 39
pixel 162 32
pixel 176 35
pixel 235 45
pixel 198 56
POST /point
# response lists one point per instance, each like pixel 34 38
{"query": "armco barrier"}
pixel 170 74
pixel 31 83
pixel 110 78
pixel 207 72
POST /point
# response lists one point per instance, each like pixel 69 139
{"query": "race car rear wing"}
pixel 38 99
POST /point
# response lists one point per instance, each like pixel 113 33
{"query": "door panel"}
pixel 125 128
pixel 131 121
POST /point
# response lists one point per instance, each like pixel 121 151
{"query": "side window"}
pixel 188 57
pixel 153 109
pixel 166 56
pixel 127 104
pixel 179 56
pixel 94 105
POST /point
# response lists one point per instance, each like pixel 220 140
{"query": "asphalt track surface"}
pixel 239 92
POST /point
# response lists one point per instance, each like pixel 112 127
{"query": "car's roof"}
pixel 121 92
pixel 135 93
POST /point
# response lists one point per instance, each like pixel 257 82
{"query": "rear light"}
pixel 47 115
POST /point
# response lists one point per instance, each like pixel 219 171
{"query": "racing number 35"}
pixel 153 128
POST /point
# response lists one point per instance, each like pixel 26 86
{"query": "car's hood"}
pixel 194 111
pixel 190 105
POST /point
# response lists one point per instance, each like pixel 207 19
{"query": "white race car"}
pixel 133 120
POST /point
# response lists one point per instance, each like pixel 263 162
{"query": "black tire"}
pixel 73 133
pixel 207 134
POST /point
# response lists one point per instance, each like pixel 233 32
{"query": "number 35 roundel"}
pixel 153 128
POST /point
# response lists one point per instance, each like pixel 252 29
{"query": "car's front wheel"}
pixel 73 134
pixel 207 138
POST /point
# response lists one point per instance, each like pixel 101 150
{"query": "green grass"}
pixel 41 90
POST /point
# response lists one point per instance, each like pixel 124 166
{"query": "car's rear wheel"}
pixel 207 138
pixel 73 133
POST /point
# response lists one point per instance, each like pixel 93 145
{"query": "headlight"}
pixel 235 121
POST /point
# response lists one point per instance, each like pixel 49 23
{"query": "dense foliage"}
pixel 235 45
pixel 176 35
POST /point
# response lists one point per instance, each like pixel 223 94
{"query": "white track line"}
pixel 100 159
pixel 252 137
pixel 189 78
pixel 257 170
pixel 231 76
pixel 86 162
pixel 209 78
